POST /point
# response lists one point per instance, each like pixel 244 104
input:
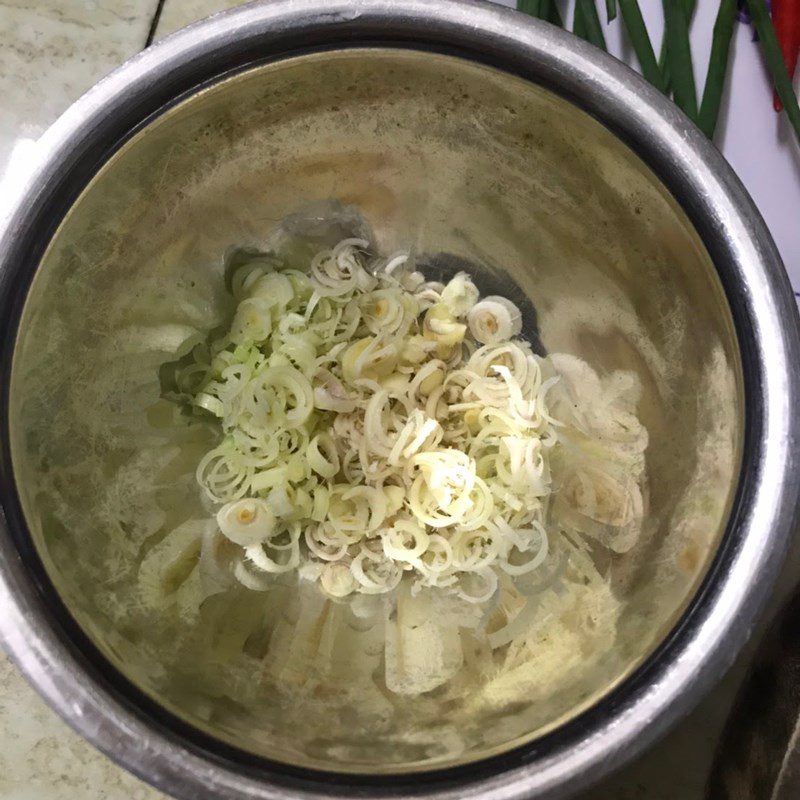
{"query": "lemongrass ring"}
pixel 460 294
pixel 405 541
pixel 337 580
pixel 246 522
pixel 256 581
pixel 490 583
pixel 494 319
pixel 322 456
pixel 324 550
pixel 258 556
pixel 394 262
pixel 538 556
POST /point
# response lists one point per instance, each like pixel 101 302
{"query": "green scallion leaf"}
pixel 541 9
pixel 611 10
pixel 579 23
pixel 588 15
pixel 640 40
pixel 679 56
pixel 663 63
pixel 531 7
pixel 553 14
pixel 717 67
pixel 772 55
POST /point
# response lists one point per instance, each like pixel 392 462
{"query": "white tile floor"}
pixel 52 51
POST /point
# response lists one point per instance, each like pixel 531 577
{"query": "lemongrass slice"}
pixel 494 319
pixel 247 521
pixel 441 326
pixel 460 294
pixel 337 580
pixel 405 541
pixel 322 456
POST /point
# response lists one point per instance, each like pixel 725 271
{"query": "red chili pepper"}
pixel 786 19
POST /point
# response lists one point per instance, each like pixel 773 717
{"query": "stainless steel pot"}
pixel 456 126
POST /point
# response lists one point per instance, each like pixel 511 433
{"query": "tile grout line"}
pixel 154 23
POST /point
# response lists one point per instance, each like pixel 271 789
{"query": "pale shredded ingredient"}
pixel 378 428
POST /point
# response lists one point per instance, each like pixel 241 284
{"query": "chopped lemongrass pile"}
pixel 377 426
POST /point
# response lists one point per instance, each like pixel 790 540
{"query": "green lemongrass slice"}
pixel 532 7
pixel 640 39
pixel 663 61
pixel 586 11
pixel 541 9
pixel 717 67
pixel 679 56
pixel 579 27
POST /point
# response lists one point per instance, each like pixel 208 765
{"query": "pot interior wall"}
pixel 441 156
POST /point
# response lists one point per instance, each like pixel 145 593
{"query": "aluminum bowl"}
pixel 457 128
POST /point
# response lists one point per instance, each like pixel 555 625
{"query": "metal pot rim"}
pixel 717 624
